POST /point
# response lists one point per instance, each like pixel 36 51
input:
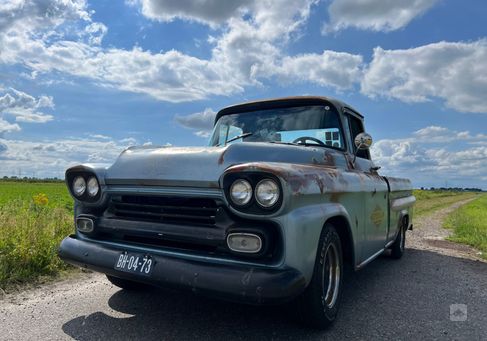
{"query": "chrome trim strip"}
pixel 391 242
pixel 370 259
pixel 400 203
pixel 177 191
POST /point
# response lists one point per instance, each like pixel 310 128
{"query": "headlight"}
pixel 241 192
pixel 93 187
pixel 267 193
pixel 79 186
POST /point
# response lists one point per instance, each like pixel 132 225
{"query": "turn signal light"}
pixel 85 225
pixel 244 242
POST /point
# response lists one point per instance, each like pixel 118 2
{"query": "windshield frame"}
pixel 322 103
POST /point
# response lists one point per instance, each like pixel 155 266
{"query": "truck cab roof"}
pixel 284 102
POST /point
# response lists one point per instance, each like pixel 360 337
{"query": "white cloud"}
pixel 52 158
pixel 30 15
pixel 211 12
pixel 24 108
pixel 129 141
pixel 433 156
pixel 202 122
pixel 454 72
pixel 95 32
pixel 248 51
pixel 99 136
pixel 375 15
pixel 6 127
pixel 338 70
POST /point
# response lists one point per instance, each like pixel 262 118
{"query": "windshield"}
pixel 309 125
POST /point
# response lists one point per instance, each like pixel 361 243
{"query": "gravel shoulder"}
pixel 408 299
pixel 429 234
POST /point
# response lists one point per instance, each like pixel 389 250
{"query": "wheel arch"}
pixel 343 228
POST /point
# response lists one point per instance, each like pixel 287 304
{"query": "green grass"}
pixel 430 201
pixel 34 218
pixel 469 224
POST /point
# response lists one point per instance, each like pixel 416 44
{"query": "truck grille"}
pixel 172 210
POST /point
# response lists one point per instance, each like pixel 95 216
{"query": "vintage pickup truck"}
pixel 284 197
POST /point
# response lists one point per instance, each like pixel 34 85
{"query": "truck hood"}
pixel 203 166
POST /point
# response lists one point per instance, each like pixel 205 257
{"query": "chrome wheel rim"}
pixel 331 276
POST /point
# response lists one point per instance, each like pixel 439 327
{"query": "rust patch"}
pixel 321 185
pixel 335 197
pixel 329 158
pixel 221 158
pixel 377 216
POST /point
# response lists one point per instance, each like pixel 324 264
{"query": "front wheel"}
pixel 318 305
pixel 398 247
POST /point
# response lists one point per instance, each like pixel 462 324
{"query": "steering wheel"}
pixel 303 139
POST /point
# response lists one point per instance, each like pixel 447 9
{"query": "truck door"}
pixel 375 196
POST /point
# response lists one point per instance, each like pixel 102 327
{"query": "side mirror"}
pixel 363 141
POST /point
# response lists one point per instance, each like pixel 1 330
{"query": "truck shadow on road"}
pixel 405 299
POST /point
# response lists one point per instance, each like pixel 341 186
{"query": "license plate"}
pixel 135 263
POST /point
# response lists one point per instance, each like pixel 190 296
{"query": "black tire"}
pixel 127 284
pixel 399 245
pixel 318 305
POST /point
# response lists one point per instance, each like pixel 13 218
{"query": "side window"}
pixel 227 132
pixel 356 127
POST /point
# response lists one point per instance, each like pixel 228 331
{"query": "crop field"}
pixel 34 217
pixel 469 224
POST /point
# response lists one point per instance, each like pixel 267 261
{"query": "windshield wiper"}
pixel 287 143
pixel 241 136
pixel 298 144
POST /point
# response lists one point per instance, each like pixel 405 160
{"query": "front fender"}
pixel 301 232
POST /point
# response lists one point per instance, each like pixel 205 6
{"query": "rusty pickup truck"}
pixel 284 197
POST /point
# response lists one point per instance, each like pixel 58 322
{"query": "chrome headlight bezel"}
pixel 86 176
pixel 253 178
pixel 246 187
pixel 78 186
pixel 259 196
pixel 92 186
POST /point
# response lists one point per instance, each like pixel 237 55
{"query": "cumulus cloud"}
pixel 31 15
pixel 202 122
pixel 458 158
pixel 375 15
pixel 95 32
pixel 455 72
pixel 6 127
pixel 211 12
pixel 338 70
pixel 52 158
pixel 248 51
pixel 24 107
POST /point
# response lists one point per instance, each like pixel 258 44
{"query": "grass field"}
pixel 469 224
pixel 430 201
pixel 34 217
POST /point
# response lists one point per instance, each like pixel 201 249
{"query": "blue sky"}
pixel 82 80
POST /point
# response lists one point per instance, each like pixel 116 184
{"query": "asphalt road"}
pixel 409 299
